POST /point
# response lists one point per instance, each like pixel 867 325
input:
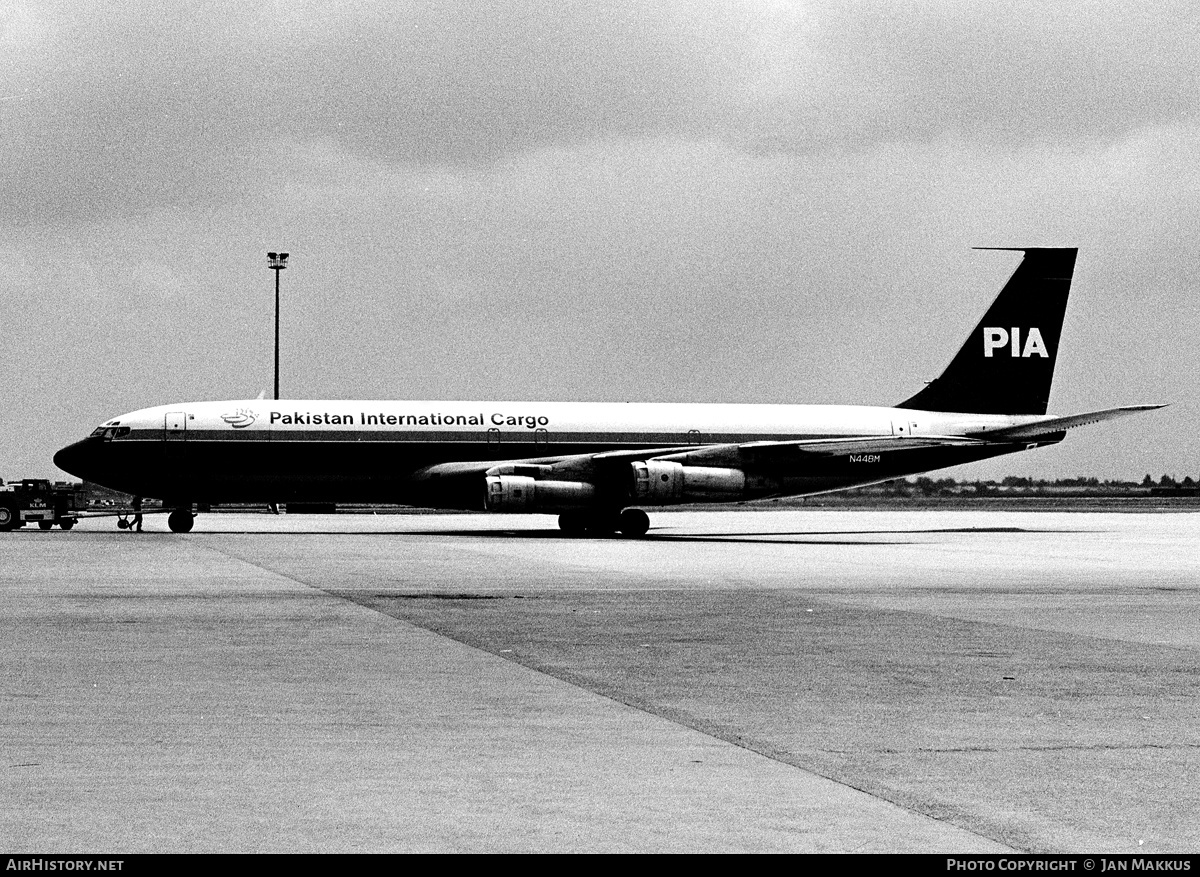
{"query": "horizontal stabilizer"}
pixel 1058 424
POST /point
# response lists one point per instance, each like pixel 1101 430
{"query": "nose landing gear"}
pixel 180 520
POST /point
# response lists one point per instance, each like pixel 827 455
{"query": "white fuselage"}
pixel 535 422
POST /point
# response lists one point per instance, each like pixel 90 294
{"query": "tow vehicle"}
pixel 38 500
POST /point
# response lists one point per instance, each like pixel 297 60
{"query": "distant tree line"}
pixel 1015 485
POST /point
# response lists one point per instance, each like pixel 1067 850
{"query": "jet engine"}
pixel 520 493
pixel 663 482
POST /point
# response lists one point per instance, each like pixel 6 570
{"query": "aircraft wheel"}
pixel 180 520
pixel 634 522
pixel 603 524
pixel 573 523
pixel 67 523
pixel 45 525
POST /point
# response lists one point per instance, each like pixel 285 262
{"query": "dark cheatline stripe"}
pixel 523 438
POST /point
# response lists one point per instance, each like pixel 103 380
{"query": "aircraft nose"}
pixel 77 458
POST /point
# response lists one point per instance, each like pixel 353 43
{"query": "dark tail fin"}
pixel 1006 366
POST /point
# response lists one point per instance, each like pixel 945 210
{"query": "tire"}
pixel 67 523
pixel 180 520
pixel 8 518
pixel 634 522
pixel 45 525
pixel 573 523
pixel 603 524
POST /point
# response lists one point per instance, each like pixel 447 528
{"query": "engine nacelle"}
pixel 520 493
pixel 663 482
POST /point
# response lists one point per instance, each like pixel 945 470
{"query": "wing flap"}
pixel 763 453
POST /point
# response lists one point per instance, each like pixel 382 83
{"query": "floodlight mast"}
pixel 277 262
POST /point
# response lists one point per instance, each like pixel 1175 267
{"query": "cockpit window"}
pixel 108 430
pixel 111 432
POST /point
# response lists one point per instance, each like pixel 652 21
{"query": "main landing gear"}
pixel 630 522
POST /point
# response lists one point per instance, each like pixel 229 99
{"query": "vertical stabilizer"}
pixel 1007 364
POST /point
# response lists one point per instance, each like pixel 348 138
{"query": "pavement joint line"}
pixel 678 718
pixel 1084 744
pixel 789 759
pixel 1018 625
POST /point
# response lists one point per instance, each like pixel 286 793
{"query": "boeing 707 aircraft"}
pixel 599 465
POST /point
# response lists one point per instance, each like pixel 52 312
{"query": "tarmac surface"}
pixel 763 681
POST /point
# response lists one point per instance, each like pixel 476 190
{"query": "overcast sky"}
pixel 657 201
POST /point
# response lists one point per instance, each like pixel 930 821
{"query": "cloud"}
pixel 1008 75
pixel 140 107
pixel 748 201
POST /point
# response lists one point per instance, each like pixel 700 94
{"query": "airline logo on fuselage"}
pixel 996 338
pixel 240 419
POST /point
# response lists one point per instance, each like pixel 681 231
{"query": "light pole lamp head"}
pixel 277 261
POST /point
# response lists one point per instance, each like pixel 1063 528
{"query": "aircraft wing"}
pixel 1058 424
pixel 720 454
pixel 732 454
pixel 767 453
